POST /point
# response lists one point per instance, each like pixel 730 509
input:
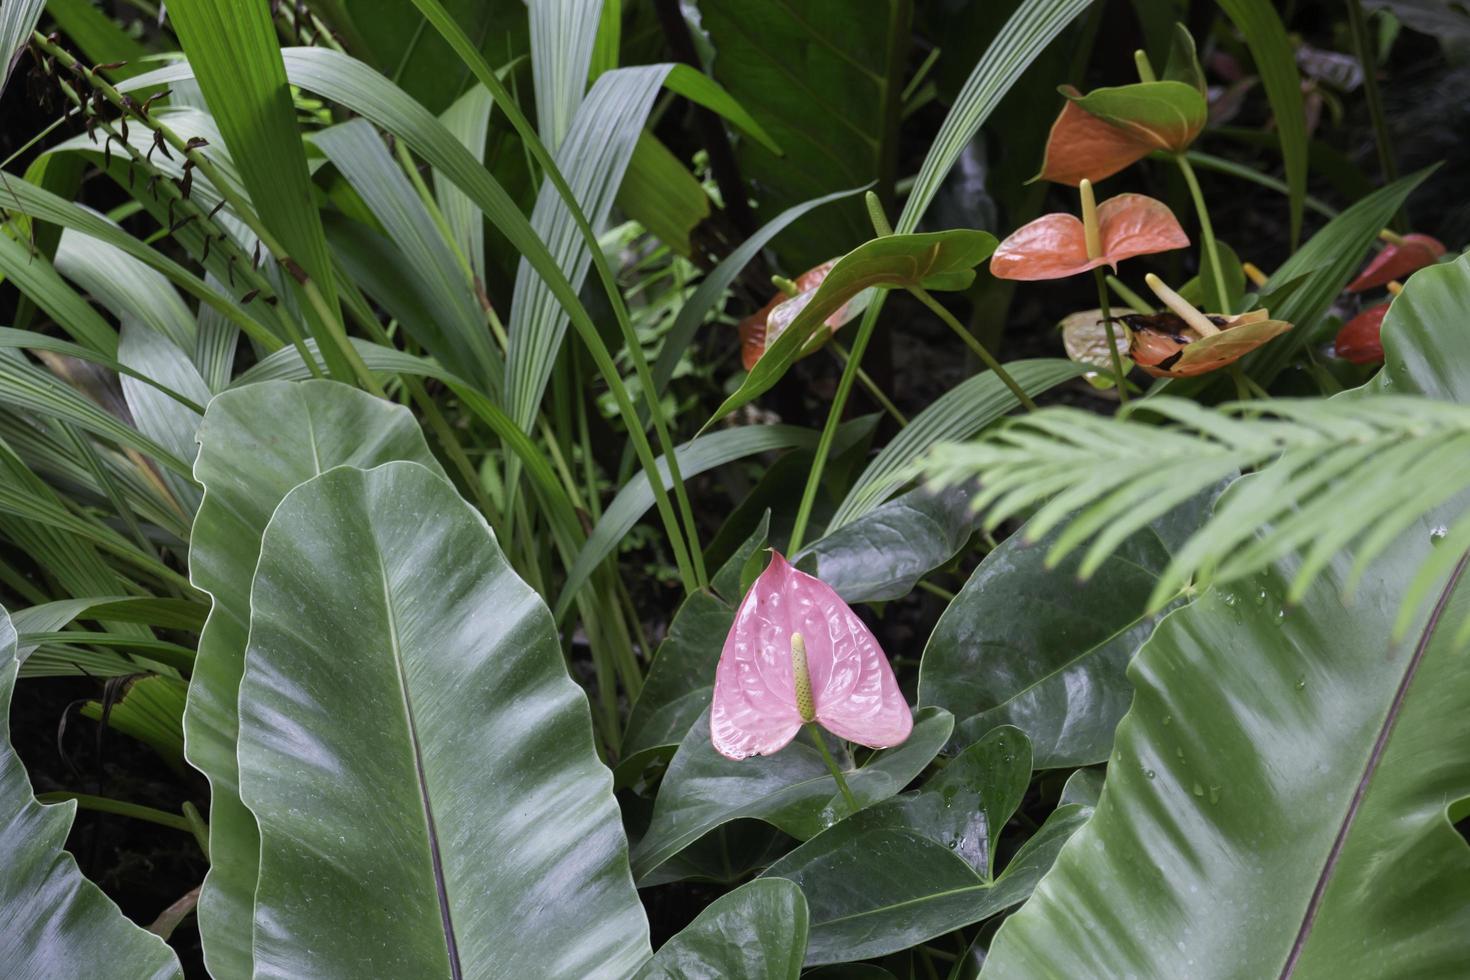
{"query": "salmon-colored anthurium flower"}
pixel 1055 246
pixel 798 654
pixel 1184 342
pixel 760 330
pixel 1098 134
pixel 1360 340
pixel 1404 255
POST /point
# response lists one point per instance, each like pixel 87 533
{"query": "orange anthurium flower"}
pixel 1408 254
pixel 760 330
pixel 1055 246
pixel 1360 340
pixel 1098 134
pixel 1185 342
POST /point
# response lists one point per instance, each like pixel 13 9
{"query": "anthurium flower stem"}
pixel 816 734
pixel 1107 317
pixel 869 384
pixel 1206 233
pixel 985 356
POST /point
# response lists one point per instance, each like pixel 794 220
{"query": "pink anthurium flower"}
pixel 1055 246
pixel 1404 255
pixel 798 654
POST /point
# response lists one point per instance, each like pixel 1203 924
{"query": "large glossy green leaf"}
pixel 236 59
pixel 256 443
pixel 883 554
pixel 932 260
pixel 922 864
pixel 756 932
pixel 1034 646
pixel 959 413
pixel 791 790
pixel 1284 773
pixel 1275 59
pixel 407 721
pixel 57 923
pixel 826 84
pixel 405 48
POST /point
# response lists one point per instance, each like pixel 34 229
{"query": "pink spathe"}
pixel 854 693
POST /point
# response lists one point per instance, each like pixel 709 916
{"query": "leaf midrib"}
pixel 456 969
pixel 1380 745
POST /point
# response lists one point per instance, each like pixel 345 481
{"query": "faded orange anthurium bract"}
pixel 798 654
pixel 1184 343
pixel 760 330
pixel 1398 260
pixel 1054 246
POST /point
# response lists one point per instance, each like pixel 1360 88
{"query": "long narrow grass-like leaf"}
pixel 124 285
pixel 563 34
pixel 1276 62
pixel 469 120
pixel 37 278
pixel 233 49
pixel 17 19
pixel 959 413
pixel 636 497
pixel 459 333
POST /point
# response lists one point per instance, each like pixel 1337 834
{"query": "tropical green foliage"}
pixel 374 445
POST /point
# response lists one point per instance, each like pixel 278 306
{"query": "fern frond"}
pixel 1328 475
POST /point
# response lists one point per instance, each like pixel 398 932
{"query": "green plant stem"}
pixel 1134 301
pixel 1206 230
pixel 1358 24
pixel 816 734
pixel 870 385
pixel 122 808
pixel 197 826
pixel 1107 316
pixel 937 308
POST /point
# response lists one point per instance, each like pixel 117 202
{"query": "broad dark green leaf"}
pixel 883 554
pixel 57 923
pixel 1033 646
pixel 921 864
pixel 1284 773
pixel 791 790
pixel 756 932
pixel 826 84
pixel 407 720
pixel 933 260
pixel 256 443
pixel 401 44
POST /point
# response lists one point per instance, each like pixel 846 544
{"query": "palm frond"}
pixel 1327 475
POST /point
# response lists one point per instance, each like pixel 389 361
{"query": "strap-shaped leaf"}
pixel 57 923
pixel 256 443
pixel 422 768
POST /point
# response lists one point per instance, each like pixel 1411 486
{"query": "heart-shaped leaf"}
pixel 792 789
